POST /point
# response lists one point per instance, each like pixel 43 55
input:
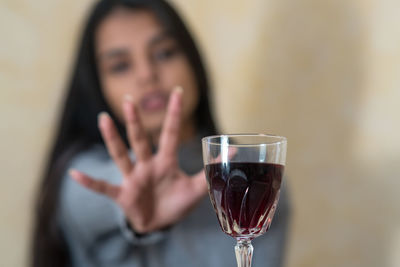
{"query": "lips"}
pixel 154 101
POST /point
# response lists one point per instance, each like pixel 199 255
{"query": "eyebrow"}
pixel 159 38
pixel 120 52
pixel 113 53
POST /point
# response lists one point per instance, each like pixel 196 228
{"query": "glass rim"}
pixel 281 139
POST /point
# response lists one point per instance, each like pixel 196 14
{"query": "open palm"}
pixel 155 192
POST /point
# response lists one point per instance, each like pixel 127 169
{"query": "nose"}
pixel 146 72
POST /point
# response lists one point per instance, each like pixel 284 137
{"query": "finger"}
pixel 232 151
pixel 199 184
pixel 136 135
pixel 98 186
pixel 224 156
pixel 170 133
pixel 114 144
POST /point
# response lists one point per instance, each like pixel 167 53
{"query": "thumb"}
pixel 199 184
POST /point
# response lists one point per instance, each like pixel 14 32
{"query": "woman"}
pixel 144 206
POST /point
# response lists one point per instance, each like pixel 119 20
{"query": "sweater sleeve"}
pixel 134 238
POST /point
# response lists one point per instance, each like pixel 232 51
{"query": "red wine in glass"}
pixel 244 195
pixel 244 175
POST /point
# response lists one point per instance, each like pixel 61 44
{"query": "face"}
pixel 136 56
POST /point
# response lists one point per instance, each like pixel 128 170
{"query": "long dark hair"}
pixel 77 129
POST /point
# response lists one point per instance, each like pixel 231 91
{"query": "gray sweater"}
pixel 97 235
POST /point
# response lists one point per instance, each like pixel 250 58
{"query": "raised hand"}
pixel 155 192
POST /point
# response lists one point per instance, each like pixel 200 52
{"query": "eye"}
pixel 119 67
pixel 165 54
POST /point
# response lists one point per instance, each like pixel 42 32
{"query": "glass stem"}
pixel 244 253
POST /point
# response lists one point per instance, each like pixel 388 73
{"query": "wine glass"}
pixel 244 175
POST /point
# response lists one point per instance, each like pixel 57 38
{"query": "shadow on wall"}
pixel 313 65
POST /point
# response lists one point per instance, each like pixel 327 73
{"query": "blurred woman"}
pixel 129 137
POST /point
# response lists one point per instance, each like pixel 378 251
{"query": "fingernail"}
pixel 78 178
pixel 178 89
pixel 128 97
pixel 72 172
pixel 101 115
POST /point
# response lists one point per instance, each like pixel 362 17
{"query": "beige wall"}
pixel 324 73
